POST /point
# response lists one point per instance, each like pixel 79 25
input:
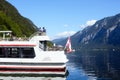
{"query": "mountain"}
pixel 59 41
pixel 105 33
pixel 10 19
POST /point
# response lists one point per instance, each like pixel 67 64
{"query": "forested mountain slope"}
pixel 10 19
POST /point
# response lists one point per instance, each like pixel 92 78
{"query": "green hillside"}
pixel 10 19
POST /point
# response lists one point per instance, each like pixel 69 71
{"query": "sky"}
pixel 65 17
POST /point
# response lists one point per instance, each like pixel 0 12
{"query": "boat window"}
pixel 43 45
pixel 2 54
pixel 13 52
pixel 28 52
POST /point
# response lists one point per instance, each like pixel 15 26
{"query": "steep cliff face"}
pixel 103 34
pixel 10 19
pixel 105 31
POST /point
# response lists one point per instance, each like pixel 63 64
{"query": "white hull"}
pixel 31 78
pixel 32 68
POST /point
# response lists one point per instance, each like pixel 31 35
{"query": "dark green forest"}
pixel 10 19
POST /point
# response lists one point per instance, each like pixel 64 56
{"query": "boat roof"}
pixel 16 44
pixel 5 31
pixel 40 38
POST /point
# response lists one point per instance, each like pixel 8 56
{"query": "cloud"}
pixel 65 25
pixel 91 22
pixel 64 34
pixel 69 33
pixel 88 23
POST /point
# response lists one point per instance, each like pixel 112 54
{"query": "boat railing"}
pixel 7 36
pixel 56 48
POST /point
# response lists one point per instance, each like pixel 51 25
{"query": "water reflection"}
pixel 76 72
pixel 94 65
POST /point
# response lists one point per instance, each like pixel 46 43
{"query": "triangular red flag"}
pixel 68 48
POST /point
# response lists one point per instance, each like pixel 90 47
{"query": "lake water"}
pixel 92 65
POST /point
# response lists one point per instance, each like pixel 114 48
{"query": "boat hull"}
pixel 34 69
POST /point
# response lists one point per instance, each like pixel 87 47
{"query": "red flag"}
pixel 68 48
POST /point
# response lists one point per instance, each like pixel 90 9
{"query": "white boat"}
pixel 31 57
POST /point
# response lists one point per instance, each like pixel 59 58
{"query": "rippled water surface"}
pixel 94 65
